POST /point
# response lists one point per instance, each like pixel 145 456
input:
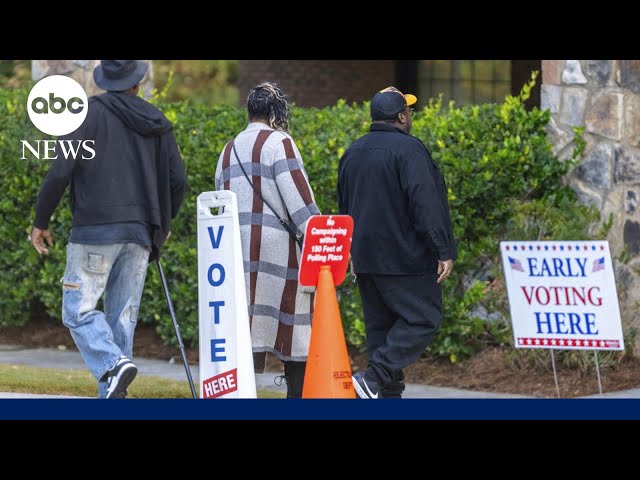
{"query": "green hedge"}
pixel 21 278
pixel 495 158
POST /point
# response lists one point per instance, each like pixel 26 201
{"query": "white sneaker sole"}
pixel 361 393
pixel 125 377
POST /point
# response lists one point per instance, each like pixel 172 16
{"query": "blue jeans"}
pixel 118 270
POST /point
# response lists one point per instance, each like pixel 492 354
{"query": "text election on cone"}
pixel 328 372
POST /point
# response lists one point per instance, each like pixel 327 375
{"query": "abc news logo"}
pixel 58 105
pixel 55 104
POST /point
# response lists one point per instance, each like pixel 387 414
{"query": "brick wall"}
pixel 317 83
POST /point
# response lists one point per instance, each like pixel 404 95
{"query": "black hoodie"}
pixel 136 175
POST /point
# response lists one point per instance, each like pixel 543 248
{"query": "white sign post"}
pixel 226 357
pixel 562 295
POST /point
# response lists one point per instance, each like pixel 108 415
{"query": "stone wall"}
pixel 604 97
pixel 82 72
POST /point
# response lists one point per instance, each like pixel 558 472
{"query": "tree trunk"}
pixel 82 72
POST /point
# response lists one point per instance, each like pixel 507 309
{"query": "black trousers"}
pixel 294 376
pixel 401 315
pixel 293 373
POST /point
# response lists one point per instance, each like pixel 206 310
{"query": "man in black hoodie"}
pixel 122 201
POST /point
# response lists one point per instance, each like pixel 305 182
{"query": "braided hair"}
pixel 267 100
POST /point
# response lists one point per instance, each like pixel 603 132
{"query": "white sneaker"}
pixel 365 388
pixel 119 378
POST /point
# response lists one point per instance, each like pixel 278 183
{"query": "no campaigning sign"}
pixel 562 295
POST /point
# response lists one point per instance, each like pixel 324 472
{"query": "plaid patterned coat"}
pixel 279 312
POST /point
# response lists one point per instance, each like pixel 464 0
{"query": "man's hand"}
pixel 37 240
pixel 445 267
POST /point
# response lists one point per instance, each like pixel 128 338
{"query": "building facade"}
pixel 318 83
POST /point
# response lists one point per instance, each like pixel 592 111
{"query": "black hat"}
pixel 388 103
pixel 119 75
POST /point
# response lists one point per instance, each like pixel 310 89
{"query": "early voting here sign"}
pixel 562 295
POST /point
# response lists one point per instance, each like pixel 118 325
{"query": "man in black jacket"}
pixel 403 244
pixel 122 200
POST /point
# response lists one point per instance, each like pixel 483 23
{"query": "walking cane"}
pixel 177 328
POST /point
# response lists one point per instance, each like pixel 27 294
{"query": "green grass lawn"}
pixel 80 383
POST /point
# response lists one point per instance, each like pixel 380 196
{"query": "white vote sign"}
pixel 226 358
pixel 562 295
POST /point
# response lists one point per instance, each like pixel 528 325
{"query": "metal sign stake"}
pixel 555 373
pixel 595 353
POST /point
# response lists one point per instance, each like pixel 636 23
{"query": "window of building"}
pixel 464 81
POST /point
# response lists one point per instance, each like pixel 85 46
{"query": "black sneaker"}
pixel 365 387
pixel 119 378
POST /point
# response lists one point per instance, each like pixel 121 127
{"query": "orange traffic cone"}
pixel 328 373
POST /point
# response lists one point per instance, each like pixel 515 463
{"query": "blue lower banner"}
pixel 310 409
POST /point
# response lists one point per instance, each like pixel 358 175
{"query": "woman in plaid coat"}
pixel 279 310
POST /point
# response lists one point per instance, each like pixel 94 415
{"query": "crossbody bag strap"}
pixel 286 225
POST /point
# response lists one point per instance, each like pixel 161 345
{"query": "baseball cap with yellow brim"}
pixel 389 102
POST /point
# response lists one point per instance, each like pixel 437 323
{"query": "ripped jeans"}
pixel 118 270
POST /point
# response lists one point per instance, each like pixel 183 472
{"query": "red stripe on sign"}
pixel 567 343
pixel 221 384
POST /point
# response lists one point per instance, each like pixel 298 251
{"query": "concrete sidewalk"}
pixel 69 359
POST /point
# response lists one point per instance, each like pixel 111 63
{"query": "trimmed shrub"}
pixel 21 274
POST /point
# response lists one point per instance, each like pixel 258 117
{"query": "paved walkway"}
pixel 69 359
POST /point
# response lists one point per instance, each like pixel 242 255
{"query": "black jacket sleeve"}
pixel 423 183
pixel 177 176
pixel 53 186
